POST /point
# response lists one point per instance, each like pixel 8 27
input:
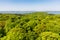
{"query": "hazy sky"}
pixel 29 5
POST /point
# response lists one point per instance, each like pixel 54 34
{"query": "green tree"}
pixel 48 36
pixel 15 34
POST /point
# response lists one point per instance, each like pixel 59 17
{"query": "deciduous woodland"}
pixel 31 26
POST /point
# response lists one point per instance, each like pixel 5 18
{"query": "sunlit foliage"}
pixel 31 26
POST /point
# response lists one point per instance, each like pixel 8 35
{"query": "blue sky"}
pixel 29 5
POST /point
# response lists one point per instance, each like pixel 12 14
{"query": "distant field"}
pixel 24 12
pixel 30 26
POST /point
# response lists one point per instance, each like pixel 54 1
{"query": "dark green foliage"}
pixel 2 31
pixel 30 35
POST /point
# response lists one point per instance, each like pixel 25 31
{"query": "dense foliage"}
pixel 33 26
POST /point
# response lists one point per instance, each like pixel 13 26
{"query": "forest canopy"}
pixel 31 26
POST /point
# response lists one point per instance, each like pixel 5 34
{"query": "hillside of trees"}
pixel 31 26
